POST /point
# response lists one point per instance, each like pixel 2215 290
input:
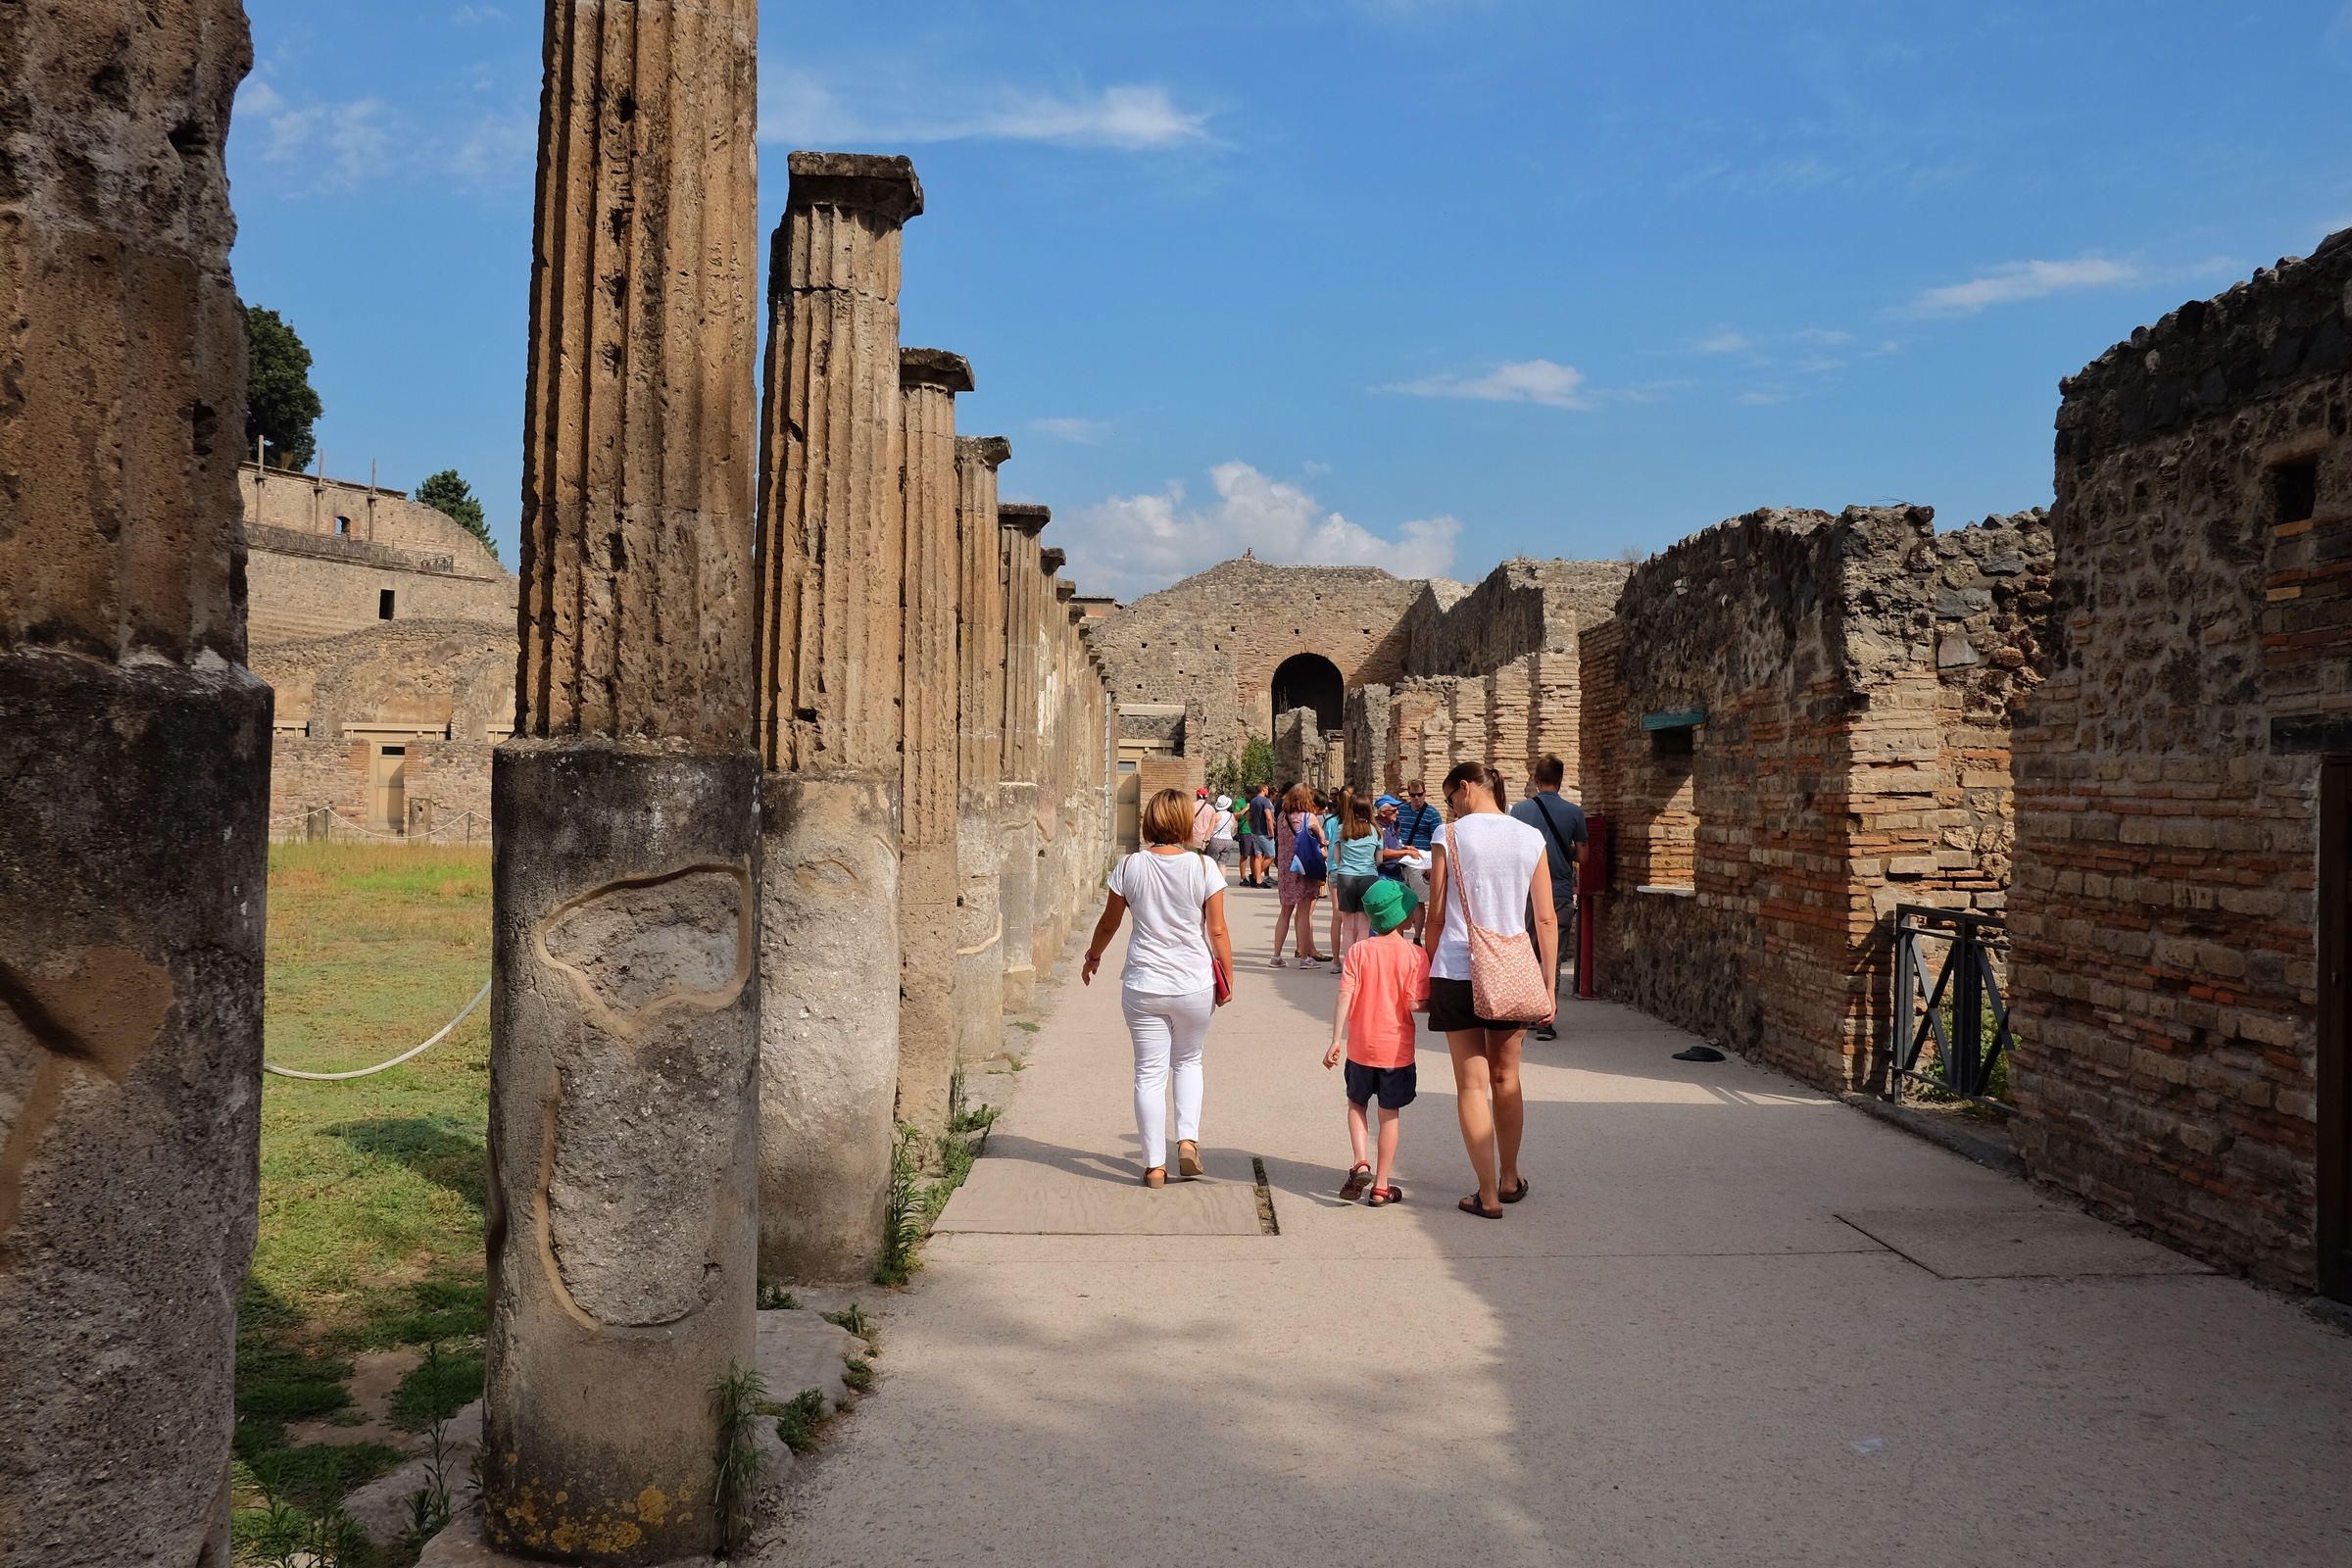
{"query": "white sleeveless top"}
pixel 1501 853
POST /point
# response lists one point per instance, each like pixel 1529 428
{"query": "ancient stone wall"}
pixel 310 585
pixel 441 693
pixel 2169 804
pixel 1221 634
pixel 1522 606
pixel 359 513
pixel 1794 722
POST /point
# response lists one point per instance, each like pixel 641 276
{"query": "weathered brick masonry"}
pixel 1828 703
pixel 2167 774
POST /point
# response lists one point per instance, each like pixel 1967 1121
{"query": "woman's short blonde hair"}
pixel 1168 819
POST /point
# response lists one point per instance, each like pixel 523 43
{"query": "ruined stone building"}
pixel 1792 722
pixel 2184 784
pixel 390 633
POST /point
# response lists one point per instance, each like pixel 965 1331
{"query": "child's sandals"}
pixel 1383 1197
pixel 1357 1180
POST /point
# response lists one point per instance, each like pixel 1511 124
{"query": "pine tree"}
pixel 452 495
pixel 280 404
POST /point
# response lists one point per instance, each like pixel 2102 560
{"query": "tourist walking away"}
pixel 1221 832
pixel 1416 827
pixel 1561 821
pixel 1355 867
pixel 1299 851
pixel 1258 825
pixel 1383 982
pixel 1204 821
pixel 1487 869
pixel 1178 971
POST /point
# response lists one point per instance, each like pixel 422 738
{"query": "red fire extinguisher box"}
pixel 1593 876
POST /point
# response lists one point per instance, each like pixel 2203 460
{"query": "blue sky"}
pixel 1417 283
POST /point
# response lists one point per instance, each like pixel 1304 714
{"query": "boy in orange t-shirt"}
pixel 1382 983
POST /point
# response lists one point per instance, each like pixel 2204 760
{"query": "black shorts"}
pixel 1351 893
pixel 1396 1087
pixel 1451 1008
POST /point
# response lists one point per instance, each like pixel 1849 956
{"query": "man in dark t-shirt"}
pixel 1562 822
pixel 1257 864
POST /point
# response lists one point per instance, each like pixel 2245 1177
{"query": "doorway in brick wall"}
pixel 2336 1029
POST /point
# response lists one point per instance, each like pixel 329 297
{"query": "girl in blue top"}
pixel 1355 840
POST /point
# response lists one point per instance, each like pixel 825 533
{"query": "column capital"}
pixel 881 184
pixel 1052 560
pixel 1025 517
pixel 951 373
pixel 992 450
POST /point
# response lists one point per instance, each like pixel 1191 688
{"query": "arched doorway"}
pixel 1309 680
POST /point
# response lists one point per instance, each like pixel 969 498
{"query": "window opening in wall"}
pixel 2299 490
pixel 343 527
pixel 1671 834
pixel 383 605
pixel 1309 680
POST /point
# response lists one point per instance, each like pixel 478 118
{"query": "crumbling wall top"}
pixel 2285 324
pixel 992 450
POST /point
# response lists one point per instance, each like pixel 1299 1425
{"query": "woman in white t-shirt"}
pixel 1498 863
pixel 1169 989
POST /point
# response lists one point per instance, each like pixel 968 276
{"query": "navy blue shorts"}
pixel 1395 1087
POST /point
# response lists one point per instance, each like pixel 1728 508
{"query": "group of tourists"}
pixel 1457 914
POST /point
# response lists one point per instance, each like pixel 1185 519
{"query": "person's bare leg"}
pixel 1335 922
pixel 1470 1098
pixel 1307 928
pixel 1388 1143
pixel 1282 928
pixel 1510 1106
pixel 1356 1129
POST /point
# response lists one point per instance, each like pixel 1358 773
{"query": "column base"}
pixel 624 1072
pixel 829 1037
pixel 133 874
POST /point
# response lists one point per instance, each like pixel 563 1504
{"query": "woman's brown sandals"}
pixel 1188 1160
pixel 1156 1176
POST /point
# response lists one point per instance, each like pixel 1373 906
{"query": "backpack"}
pixel 1306 853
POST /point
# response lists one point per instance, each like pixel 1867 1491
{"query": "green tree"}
pixel 280 404
pixel 446 493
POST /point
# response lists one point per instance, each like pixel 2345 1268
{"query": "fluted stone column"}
pixel 980 751
pixel 832 637
pixel 621 1226
pixel 134 787
pixel 1025 600
pixel 928 928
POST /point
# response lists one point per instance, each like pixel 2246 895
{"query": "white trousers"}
pixel 1169 1035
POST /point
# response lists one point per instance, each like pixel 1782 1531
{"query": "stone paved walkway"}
pixel 1675 1353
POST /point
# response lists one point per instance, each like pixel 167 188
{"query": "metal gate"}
pixel 1964 985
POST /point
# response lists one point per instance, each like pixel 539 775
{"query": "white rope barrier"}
pixel 332 1077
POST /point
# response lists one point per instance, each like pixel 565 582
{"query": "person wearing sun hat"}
pixel 1383 982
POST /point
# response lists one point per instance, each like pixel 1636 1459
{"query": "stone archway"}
pixel 1309 680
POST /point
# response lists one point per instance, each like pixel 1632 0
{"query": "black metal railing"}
pixel 1961 1010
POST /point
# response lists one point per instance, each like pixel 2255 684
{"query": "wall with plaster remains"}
pixel 2167 774
pixel 1855 675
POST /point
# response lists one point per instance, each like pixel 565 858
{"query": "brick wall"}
pixel 1855 675
pixel 300 587
pixel 2167 773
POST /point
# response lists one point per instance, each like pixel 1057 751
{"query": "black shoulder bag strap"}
pixel 1566 854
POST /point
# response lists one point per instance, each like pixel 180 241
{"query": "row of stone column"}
pixel 785 888
pixel 804 794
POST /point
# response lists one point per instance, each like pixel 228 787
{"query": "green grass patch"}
pixel 448 1381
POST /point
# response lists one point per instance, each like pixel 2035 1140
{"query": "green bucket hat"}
pixel 1389 904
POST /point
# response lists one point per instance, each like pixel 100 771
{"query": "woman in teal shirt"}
pixel 1355 839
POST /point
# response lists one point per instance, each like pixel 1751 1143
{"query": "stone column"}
pixel 929 761
pixel 625 1028
pixel 980 751
pixel 832 637
pixel 1025 599
pixel 134 768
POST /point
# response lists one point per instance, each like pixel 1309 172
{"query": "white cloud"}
pixel 798 109
pixel 1085 432
pixel 1132 544
pixel 1763 399
pixel 1523 381
pixel 468 16
pixel 2020 280
pixel 1726 341
pixel 340 144
pixel 497 145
